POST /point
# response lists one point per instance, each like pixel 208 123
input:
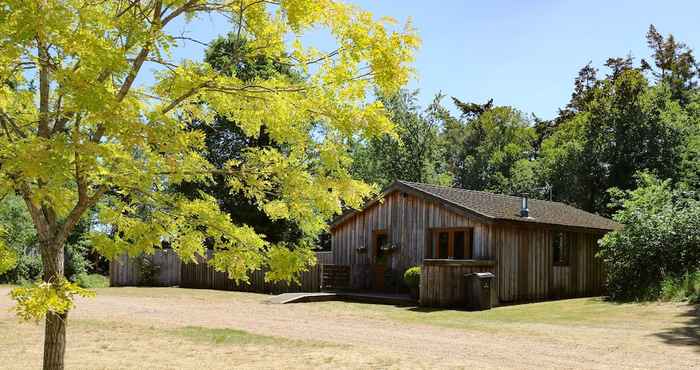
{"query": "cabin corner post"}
pixel 422 299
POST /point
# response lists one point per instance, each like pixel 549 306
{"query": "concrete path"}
pixel 380 298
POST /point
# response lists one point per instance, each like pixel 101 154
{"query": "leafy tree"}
pixel 490 149
pixel 625 125
pixel 226 141
pixel 690 161
pixel 472 110
pixel 8 257
pixel 658 241
pixel 413 154
pixel 689 167
pixel 584 84
pixel 20 240
pixel 675 64
pixel 78 132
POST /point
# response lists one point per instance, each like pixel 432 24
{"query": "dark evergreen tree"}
pixel 226 141
pixel 675 64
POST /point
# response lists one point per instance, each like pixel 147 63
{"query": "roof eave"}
pixel 459 209
pixel 400 186
pixel 588 229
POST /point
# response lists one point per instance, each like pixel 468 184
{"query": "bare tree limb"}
pixel 192 39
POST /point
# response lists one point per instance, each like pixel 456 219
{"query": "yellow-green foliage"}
pixel 8 258
pixel 76 132
pixel 35 301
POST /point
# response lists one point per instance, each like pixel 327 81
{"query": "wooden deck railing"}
pixel 335 277
pixel 442 281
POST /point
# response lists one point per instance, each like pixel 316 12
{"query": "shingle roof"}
pixel 505 207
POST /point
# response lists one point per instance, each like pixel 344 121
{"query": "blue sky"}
pixel 521 53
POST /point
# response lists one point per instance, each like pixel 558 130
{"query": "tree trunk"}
pixel 55 333
pixel 55 341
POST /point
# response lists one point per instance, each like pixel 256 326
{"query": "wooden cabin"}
pixel 538 250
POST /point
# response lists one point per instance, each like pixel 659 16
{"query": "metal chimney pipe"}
pixel 524 210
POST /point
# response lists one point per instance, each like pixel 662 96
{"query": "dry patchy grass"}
pixel 182 328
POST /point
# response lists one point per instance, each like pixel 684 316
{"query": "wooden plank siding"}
pixel 526 270
pixel 408 220
pixel 521 253
pixel 442 281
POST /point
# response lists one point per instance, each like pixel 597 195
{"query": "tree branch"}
pixel 191 39
pixel 182 98
pixel 133 72
pixel 43 89
pixel 39 221
pixel 77 212
pixel 6 121
pixel 190 5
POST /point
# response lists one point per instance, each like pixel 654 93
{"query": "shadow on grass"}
pixel 688 334
pixel 422 309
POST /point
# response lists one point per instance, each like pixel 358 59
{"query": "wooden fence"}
pixel 203 276
pixel 442 282
pixel 172 272
pixel 324 258
pixel 126 271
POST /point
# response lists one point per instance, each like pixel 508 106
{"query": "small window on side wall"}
pixel 560 249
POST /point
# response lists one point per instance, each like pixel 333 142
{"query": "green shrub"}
pixel 659 240
pixel 28 268
pixel 148 271
pixel 686 288
pixel 92 281
pixel 412 277
pixel 75 261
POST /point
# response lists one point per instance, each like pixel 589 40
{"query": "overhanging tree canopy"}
pixel 76 131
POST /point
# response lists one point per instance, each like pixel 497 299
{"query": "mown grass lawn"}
pixel 597 312
pixel 182 328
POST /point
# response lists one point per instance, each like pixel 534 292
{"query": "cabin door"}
pixel 381 239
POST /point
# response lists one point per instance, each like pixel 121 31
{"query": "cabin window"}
pixel 560 249
pixel 451 244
